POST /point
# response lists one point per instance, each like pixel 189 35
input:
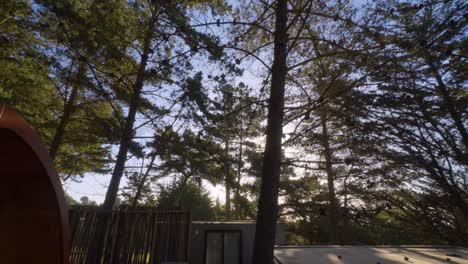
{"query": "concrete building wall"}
pixel 247 229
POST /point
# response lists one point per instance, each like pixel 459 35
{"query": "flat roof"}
pixel 371 254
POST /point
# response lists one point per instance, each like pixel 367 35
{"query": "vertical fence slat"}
pixel 142 235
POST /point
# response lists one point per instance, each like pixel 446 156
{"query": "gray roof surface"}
pixel 371 255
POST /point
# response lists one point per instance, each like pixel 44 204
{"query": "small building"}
pixel 225 242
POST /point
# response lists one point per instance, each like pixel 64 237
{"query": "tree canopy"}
pixel 346 121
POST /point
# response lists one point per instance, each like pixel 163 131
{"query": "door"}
pixel 223 247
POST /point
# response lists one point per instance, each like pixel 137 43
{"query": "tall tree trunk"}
pixel 127 134
pixel 268 200
pixel 227 178
pixel 332 214
pixel 346 233
pixel 96 246
pixel 143 182
pixel 68 109
pixel 239 171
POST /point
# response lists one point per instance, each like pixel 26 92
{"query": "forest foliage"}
pixel 346 121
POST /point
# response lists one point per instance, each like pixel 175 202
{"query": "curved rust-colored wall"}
pixel 33 216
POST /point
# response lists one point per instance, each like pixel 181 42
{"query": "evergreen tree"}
pixel 194 198
pixel 418 108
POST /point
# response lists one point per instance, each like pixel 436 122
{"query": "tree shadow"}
pixel 441 250
pixel 332 255
pixel 366 254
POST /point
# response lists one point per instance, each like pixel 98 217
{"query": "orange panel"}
pixel 33 216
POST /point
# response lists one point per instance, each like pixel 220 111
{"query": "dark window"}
pixel 223 247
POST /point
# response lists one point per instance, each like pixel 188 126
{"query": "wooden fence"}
pixel 141 235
